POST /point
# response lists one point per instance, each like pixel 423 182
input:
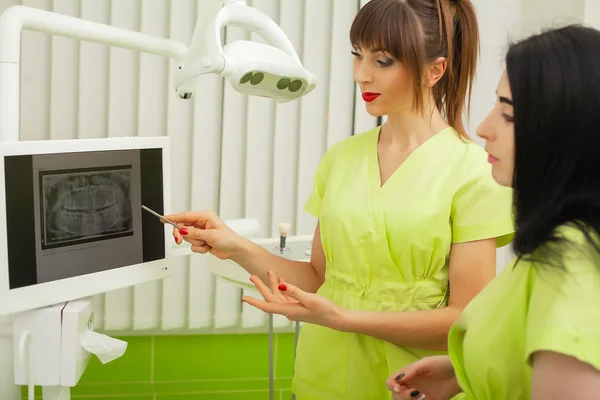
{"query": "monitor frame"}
pixel 45 294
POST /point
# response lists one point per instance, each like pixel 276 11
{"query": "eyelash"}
pixel 508 118
pixel 384 64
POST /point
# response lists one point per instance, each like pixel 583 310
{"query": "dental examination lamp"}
pixel 270 70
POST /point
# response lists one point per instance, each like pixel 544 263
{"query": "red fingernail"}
pixel 183 231
pixel 282 287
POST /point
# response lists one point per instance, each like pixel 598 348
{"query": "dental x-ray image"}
pixel 85 205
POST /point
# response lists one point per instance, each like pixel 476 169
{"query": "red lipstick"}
pixel 369 96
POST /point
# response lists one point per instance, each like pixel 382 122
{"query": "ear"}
pixel 435 71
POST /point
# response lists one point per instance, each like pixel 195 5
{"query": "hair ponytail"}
pixel 460 27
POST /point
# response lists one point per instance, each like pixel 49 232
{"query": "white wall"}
pixel 84 90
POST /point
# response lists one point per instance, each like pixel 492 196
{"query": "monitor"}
pixel 71 218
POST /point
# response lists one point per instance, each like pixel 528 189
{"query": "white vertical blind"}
pixel 243 157
pixel 314 106
pixel 122 108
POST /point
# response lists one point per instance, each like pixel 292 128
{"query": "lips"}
pixel 369 96
pixel 492 159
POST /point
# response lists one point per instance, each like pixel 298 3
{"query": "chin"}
pixel 374 111
pixel 501 178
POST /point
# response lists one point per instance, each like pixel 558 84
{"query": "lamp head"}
pixel 257 69
pixel 269 70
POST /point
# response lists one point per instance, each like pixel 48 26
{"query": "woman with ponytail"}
pixel 409 215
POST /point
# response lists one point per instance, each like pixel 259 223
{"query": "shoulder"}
pixel 470 158
pixel 341 153
pixel 576 247
pixel 352 144
pixel 468 167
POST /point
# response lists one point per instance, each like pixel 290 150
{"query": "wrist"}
pixel 242 249
pixel 342 320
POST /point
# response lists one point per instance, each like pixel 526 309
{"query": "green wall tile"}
pixel 285 355
pixel 133 366
pixel 210 357
pixel 120 397
pixel 220 385
pixel 256 395
pixel 37 392
pixel 113 389
pixel 216 367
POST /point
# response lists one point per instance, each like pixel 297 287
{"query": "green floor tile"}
pixel 210 357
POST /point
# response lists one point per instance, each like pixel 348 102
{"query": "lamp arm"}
pixel 240 15
pixel 16 18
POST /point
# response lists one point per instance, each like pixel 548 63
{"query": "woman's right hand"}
pixel 430 378
pixel 206 232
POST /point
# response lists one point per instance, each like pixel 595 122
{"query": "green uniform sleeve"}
pixel 564 307
pixel 482 209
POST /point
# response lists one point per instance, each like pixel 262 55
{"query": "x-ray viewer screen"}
pixel 72 214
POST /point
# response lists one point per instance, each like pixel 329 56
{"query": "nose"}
pixel 362 73
pixel 485 130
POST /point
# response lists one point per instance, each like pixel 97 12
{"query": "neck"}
pixel 406 127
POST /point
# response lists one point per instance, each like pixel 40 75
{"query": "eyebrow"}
pixel 505 99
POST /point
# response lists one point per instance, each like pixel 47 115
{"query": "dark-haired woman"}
pixel 534 332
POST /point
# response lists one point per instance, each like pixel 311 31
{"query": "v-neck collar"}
pixel 374 156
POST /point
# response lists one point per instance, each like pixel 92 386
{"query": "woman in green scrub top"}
pixel 409 216
pixel 534 332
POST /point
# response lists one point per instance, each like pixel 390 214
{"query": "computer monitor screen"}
pixel 72 221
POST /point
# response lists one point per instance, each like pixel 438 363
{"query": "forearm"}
pixel 419 329
pixel 257 261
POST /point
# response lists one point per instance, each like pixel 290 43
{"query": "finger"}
pixel 296 293
pixel 410 372
pixel 177 236
pixel 405 393
pixel 287 298
pixel 182 233
pixel 415 394
pixel 201 249
pixel 270 308
pixel 263 289
pixel 194 242
pixel 274 283
pixel 394 385
pixel 195 218
pixel 193 233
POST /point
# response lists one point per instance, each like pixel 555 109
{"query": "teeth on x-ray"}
pixel 87 204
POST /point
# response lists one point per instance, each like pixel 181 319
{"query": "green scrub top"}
pixel 528 308
pixel 387 249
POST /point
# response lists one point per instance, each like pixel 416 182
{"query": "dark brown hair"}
pixel 416 32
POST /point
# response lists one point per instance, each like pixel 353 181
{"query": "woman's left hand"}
pixel 295 304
